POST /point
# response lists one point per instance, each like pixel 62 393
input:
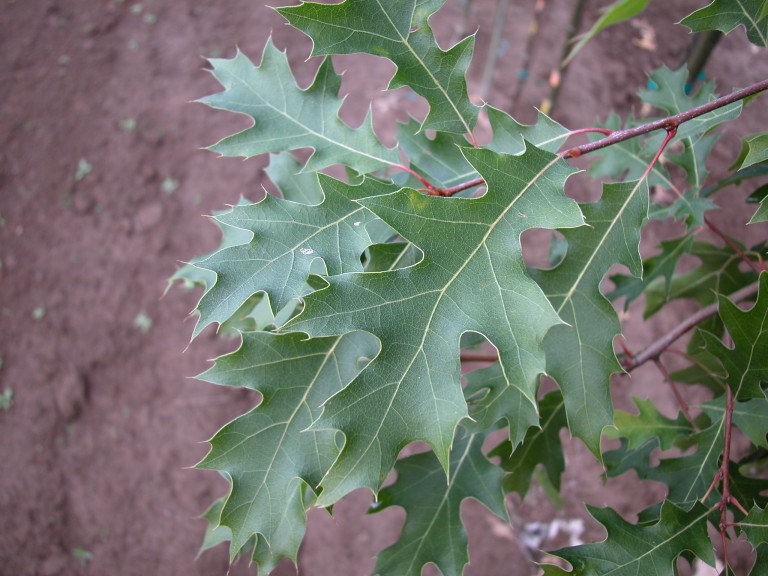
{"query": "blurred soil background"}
pixel 103 189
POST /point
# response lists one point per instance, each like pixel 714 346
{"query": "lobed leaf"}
pixel 286 239
pixel 751 417
pixel 718 272
pixel 491 399
pixel 288 118
pixel 580 354
pixel 472 278
pixel 754 150
pixel 433 531
pixel 649 423
pixel 727 15
pixel 397 30
pixel 755 526
pixel 650 550
pixel 661 265
pixel 267 453
pixel 688 477
pixel 285 172
pixel 747 362
pixel 541 447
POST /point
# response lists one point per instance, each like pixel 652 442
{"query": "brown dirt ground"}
pixel 105 420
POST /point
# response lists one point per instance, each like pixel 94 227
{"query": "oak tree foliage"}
pixel 356 301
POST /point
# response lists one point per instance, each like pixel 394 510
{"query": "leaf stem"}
pixel 671 131
pixel 657 348
pixel 680 400
pixel 751 263
pixel 430 188
pixel 434 191
pixel 467 357
pixel 676 120
pixel 726 497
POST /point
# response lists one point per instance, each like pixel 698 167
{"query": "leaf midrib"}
pixel 426 331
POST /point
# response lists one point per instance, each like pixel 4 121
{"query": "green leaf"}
pixel 472 278
pixel 294 185
pixel 755 526
pixel 748 490
pixel 630 550
pixel 628 160
pixel 717 273
pixel 267 453
pixel 747 362
pixel 215 533
pixel 439 159
pixel 759 195
pixel 397 30
pixel 491 399
pixel 624 458
pixel 754 171
pixel 754 149
pixel 705 368
pixel 662 265
pixel 688 477
pixel 726 15
pixel 391 256
pixel 287 118
pixel 509 136
pixel 541 447
pixel 649 423
pixel 760 566
pixel 433 531
pixel 580 354
pixel 761 214
pixel 640 435
pixel 751 417
pixel 671 96
pixel 619 11
pixel 190 275
pixel 286 239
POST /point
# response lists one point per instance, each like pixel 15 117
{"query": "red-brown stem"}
pixel 459 187
pixel 616 136
pixel 433 191
pixel 680 401
pixel 603 131
pixel 671 131
pixel 624 348
pixel 466 357
pixel 428 185
pixel 676 120
pixel 657 348
pixel 751 263
pixel 724 473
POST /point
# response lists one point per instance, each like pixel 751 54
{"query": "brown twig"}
pixel 434 191
pixel 723 473
pixel 664 123
pixel 467 357
pixel 657 348
pixel 669 123
pixel 680 400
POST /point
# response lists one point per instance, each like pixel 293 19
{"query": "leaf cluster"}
pixel 356 301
